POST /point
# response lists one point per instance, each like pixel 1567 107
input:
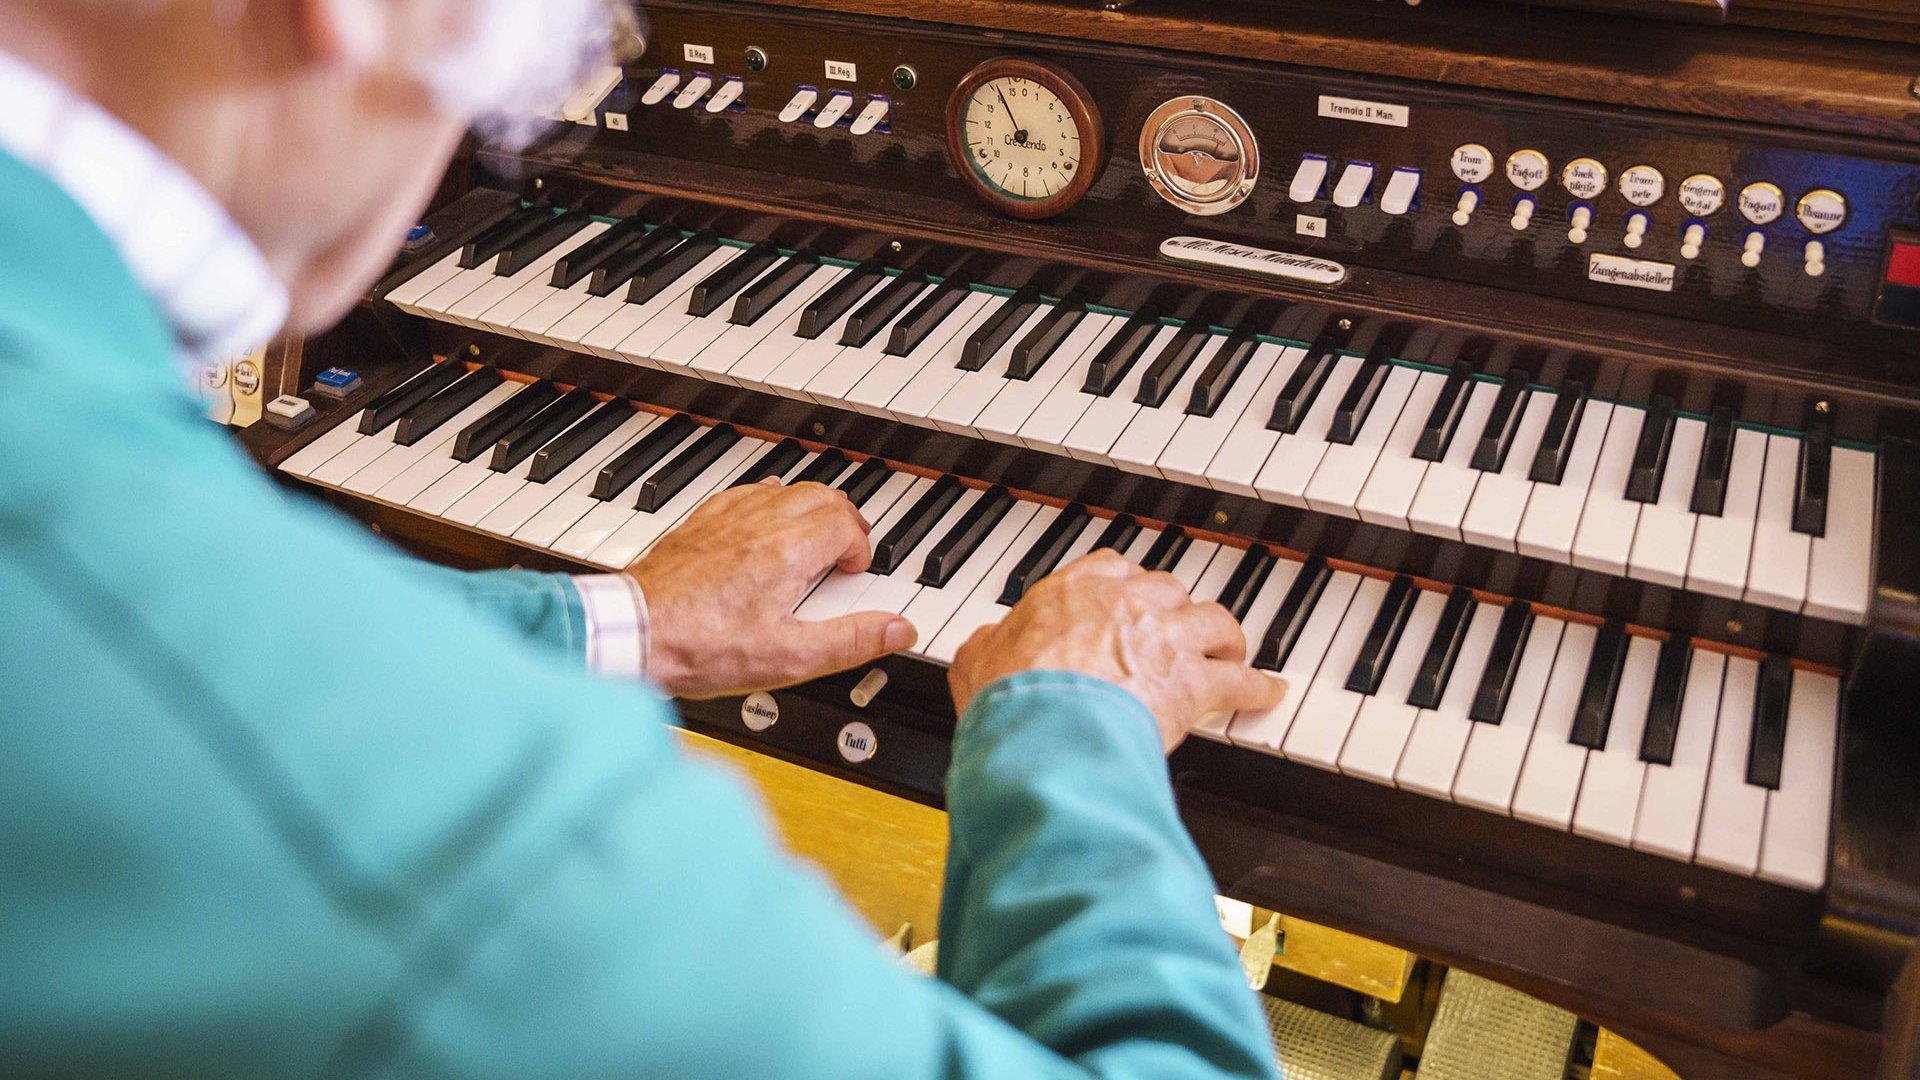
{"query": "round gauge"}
pixel 1199 155
pixel 1026 136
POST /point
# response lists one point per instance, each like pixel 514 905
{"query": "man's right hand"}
pixel 1105 617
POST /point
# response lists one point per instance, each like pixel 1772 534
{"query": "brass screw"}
pixel 1345 324
pixel 473 350
pixel 819 428
pixel 1219 517
pixel 1823 407
pixel 1914 86
pixel 1734 626
pixel 894 246
pixel 539 183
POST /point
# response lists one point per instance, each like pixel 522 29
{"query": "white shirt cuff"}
pixel 616 617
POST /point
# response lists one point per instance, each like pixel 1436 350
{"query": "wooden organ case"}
pixel 1561 367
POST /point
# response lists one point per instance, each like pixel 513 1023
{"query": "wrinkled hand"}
pixel 721 589
pixel 1104 616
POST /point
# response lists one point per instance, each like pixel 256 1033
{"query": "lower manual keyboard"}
pixel 1666 746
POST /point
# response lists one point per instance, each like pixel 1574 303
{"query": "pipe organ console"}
pixel 1540 394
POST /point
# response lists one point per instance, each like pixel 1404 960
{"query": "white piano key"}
pixel 1236 464
pixel 608 338
pixel 1608 519
pixel 436 448
pixel 1735 811
pixel 1840 572
pixel 437 303
pixel 1550 776
pixel 956 409
pixel 1610 788
pixel 546 528
pixel 1490 769
pixel 1295 458
pixel 632 539
pixel 1267 730
pixel 304 461
pixel 883 382
pixel 838 592
pixel 407 295
pixel 575 326
pixel 534 285
pixel 1193 447
pixel 931 607
pixel 1018 399
pixel 1194 562
pixel 1672 794
pixel 1319 729
pixel 805 362
pixel 845 374
pixel 918 397
pixel 1105 418
pixel 1717 565
pixel 1395 478
pixel 1054 418
pixel 534 323
pixel 1379 732
pixel 756 368
pixel 677 353
pixel 344 466
pixel 771 337
pixel 1777 576
pixel 1343 471
pixel 1447 486
pixel 1793 844
pixel 471 308
pixel 1500 498
pixel 1663 539
pixel 1151 429
pixel 981 606
pixel 523 505
pixel 1273 592
pixel 895 592
pixel 1431 759
pixel 605 517
pixel 1553 510
pixel 454 484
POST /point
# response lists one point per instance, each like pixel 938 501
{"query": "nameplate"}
pixel 1632 273
pixel 1364 112
pixel 1304 268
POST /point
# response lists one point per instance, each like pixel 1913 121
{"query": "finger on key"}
pixel 1214 629
pixel 1231 686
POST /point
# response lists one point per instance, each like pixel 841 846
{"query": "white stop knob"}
pixel 1696 235
pixel 1756 243
pixel 1582 218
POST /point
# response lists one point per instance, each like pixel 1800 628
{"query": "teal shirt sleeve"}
pixel 545 608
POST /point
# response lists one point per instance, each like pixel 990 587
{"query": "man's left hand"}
pixel 721 590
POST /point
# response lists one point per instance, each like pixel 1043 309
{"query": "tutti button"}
pixel 856 742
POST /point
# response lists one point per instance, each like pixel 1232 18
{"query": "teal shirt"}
pixel 277 801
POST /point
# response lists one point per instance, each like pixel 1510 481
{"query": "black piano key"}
pixel 1171 364
pixel 1357 403
pixel 1303 386
pixel 1811 475
pixel 1650 453
pixel 1503 663
pixel 1167 549
pixel 825 469
pixel 1768 739
pixel 1383 637
pixel 421 420
pixel 540 429
pixel 1556 442
pixel 583 260
pixel 1595 713
pixel 961 541
pixel 650 280
pixel 1663 711
pixel 1123 350
pixel 1444 418
pixel 1716 462
pixel 1291 619
pixel 1118 534
pixel 611 276
pixel 552 459
pixel 999 328
pixel 929 313
pixel 839 298
pixel 1045 554
pixel 774 462
pixel 1496 439
pixel 529 248
pixel 673 477
pixel 400 400
pixel 883 307
pixel 635 461
pixel 763 295
pixel 503 234
pixel 1436 667
pixel 1249 574
pixel 860 484
pixel 720 286
pixel 1034 350
pixel 1225 369
pixel 478 437
pixel 920 519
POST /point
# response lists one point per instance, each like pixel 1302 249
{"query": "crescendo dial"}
pixel 1026 136
pixel 1199 155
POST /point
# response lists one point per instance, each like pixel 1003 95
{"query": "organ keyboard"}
pixel 1555 455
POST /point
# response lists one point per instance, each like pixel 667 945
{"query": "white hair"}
pixel 520 58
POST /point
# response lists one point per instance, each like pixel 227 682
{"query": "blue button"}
pixel 337 377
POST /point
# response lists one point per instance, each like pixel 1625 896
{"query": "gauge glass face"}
pixel 1199 155
pixel 1021 138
